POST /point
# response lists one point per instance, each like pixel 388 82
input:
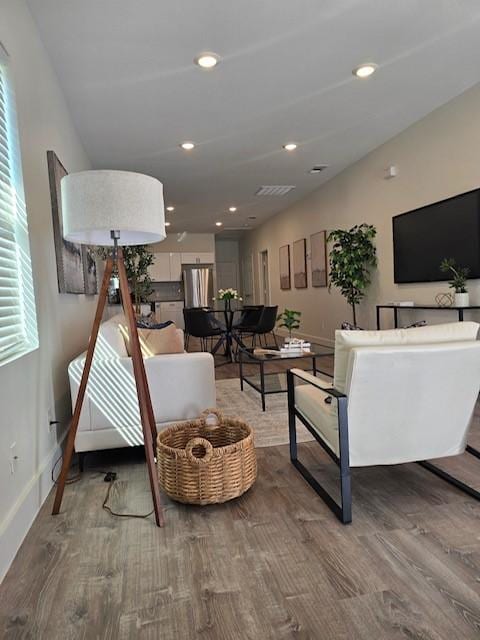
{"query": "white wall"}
pixel 37 382
pixel 437 157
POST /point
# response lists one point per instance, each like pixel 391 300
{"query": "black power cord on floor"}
pixel 110 477
pixel 71 480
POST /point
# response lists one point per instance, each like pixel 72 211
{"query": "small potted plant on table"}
pixel 458 282
pixel 290 320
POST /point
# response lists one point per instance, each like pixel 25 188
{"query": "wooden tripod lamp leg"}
pixel 144 399
pixel 67 456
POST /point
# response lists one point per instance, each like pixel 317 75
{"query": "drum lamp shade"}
pixel 94 203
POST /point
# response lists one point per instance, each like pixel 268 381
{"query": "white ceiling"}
pixel 134 93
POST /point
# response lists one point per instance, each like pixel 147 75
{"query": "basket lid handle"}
pixel 212 418
pixel 200 446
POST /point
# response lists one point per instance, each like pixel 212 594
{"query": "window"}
pixel 18 320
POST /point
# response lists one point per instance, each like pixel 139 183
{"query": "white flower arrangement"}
pixel 228 294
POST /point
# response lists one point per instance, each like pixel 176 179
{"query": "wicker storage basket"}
pixel 200 462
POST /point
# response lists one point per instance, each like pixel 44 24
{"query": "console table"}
pixel 422 307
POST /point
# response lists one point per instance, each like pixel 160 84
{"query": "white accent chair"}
pixel 182 385
pixel 403 395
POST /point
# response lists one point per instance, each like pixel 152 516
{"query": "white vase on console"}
pixel 462 299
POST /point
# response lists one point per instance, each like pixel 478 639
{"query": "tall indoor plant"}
pixel 352 257
pixel 138 258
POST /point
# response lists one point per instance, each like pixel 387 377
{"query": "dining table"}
pixel 229 336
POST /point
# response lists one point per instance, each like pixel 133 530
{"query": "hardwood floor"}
pixel 274 564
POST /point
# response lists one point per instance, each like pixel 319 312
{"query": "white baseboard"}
pixel 321 340
pixel 20 517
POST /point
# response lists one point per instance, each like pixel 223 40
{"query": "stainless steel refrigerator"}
pixel 198 285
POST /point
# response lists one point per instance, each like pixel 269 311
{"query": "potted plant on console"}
pixel 458 282
pixel 352 257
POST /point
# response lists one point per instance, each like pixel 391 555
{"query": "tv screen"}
pixel 424 237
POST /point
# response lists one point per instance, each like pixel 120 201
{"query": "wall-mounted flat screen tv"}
pixel 424 237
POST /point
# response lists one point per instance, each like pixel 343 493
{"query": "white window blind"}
pixel 18 321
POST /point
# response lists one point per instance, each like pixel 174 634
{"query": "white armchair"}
pixel 405 395
pixel 182 385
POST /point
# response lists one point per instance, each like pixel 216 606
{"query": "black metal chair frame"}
pixel 247 330
pixel 259 333
pixel 343 511
pixel 216 331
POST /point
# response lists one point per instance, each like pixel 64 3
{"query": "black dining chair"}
pixel 265 326
pixel 200 322
pixel 248 321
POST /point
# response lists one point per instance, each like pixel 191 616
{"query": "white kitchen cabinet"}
pixel 198 258
pixel 166 268
pixel 160 269
pixel 170 311
pixel 175 267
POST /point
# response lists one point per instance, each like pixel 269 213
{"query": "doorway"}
pixel 227 275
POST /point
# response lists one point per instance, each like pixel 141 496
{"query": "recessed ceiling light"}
pixel 219 224
pixel 232 209
pixel 167 224
pixel 365 70
pixel 290 146
pixel 207 60
pixel 170 208
pixel 187 146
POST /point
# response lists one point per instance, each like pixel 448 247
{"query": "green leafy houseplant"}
pixel 138 258
pixel 290 320
pixel 459 275
pixel 352 257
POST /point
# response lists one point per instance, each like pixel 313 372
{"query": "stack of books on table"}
pixel 296 346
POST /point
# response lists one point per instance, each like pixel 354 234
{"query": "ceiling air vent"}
pixel 318 168
pixel 274 190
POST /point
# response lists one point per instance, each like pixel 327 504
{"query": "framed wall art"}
pixel 89 270
pixel 318 255
pixel 284 258
pixel 76 265
pixel 300 264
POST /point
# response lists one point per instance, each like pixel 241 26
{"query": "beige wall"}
pixel 227 262
pixel 35 384
pixel 437 157
pixel 193 242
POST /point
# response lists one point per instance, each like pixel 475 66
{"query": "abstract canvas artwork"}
pixel 76 266
pixel 89 270
pixel 300 264
pixel 284 259
pixel 318 251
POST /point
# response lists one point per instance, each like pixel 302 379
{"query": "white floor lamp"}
pixel 114 208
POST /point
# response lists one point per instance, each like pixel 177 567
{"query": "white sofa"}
pixel 397 396
pixel 182 385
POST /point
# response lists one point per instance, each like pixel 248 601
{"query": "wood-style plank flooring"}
pixel 274 564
